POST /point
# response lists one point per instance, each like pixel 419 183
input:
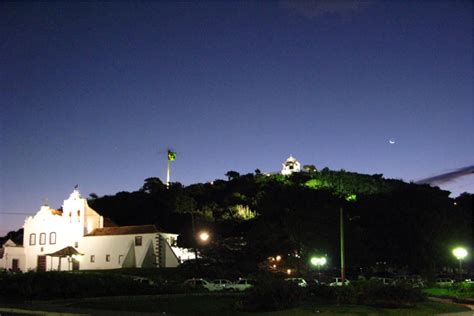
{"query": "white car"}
pixel 414 280
pixel 298 281
pixel 338 282
pixel 241 285
pixel 444 282
pixel 221 285
pixel 198 284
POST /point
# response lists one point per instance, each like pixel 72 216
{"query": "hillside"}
pixel 401 224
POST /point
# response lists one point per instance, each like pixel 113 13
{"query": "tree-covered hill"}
pixel 402 224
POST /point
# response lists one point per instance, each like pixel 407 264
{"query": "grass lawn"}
pixel 449 292
pixel 223 305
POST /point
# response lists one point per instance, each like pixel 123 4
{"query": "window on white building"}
pixel 52 238
pixel 107 258
pixel 120 258
pixel 32 239
pixel 76 244
pixel 138 240
pixel 172 242
pixel 92 258
pixel 42 239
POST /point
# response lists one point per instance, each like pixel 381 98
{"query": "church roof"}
pixel 108 222
pixel 65 252
pixel 124 230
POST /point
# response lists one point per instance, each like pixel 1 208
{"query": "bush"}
pixel 370 293
pixel 463 287
pixel 325 292
pixel 46 285
pixel 378 294
pixel 270 295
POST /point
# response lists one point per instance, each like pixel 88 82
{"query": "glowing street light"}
pixel 318 262
pixel 460 253
pixel 204 236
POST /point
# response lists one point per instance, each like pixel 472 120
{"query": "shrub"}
pixel 378 294
pixel 346 294
pixel 370 293
pixel 46 285
pixel 325 292
pixel 271 294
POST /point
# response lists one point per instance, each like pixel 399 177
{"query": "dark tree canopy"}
pixel 404 224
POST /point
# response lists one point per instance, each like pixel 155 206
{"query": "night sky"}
pixel 94 93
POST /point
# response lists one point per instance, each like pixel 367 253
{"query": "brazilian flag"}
pixel 171 155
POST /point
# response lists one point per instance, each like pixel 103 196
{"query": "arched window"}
pixel 52 238
pixel 32 239
pixel 42 239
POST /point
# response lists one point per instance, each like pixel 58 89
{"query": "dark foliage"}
pixel 404 224
pixel 49 285
pixel 272 294
pixel 377 294
pixel 369 293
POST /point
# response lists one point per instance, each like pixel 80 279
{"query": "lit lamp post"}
pixel 204 236
pixel 460 253
pixel 318 262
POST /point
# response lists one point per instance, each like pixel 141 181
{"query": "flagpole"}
pixel 168 174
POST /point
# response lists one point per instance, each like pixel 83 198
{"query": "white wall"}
pixel 11 253
pixel 117 246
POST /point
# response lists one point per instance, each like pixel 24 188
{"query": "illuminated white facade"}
pixel 290 165
pixel 51 235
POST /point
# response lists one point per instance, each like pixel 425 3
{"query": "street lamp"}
pixel 460 253
pixel 318 262
pixel 204 236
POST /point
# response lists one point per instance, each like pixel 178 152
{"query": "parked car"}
pixel 384 281
pixel 444 282
pixel 298 281
pixel 220 285
pixel 414 280
pixel 143 280
pixel 338 282
pixel 242 285
pixel 314 282
pixel 198 284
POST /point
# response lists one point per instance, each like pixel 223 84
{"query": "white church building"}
pixel 290 166
pixel 77 239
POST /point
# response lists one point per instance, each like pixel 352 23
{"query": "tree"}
pixel 152 185
pixel 309 168
pixel 185 204
pixel 231 175
pixel 239 213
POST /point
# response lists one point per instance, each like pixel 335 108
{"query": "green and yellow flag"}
pixel 171 155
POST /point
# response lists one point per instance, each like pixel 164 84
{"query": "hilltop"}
pixel 253 216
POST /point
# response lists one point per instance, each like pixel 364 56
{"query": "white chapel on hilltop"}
pixel 290 165
pixel 77 238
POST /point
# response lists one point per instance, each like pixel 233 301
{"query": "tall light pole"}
pixel 460 253
pixel 349 198
pixel 171 157
pixel 341 230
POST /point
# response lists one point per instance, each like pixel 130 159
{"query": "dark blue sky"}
pixel 94 93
